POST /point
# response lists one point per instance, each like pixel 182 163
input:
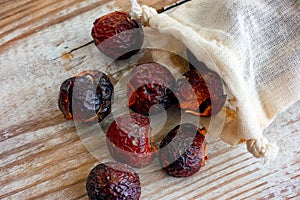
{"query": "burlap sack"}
pixel 255 49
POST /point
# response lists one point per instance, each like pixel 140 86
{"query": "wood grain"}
pixel 42 155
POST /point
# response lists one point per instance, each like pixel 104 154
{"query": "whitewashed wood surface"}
pixel 42 156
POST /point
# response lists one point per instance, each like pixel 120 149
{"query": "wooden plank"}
pixel 26 18
pixel 42 156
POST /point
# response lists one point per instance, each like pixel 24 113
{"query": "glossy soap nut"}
pixel 129 140
pixel 113 181
pixel 201 93
pixel 117 35
pixel 183 151
pixel 150 87
pixel 86 97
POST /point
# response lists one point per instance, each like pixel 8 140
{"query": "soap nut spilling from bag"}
pixel 201 93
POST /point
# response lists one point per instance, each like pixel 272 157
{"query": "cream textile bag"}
pixel 256 47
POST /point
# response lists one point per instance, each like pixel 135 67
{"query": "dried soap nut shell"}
pixel 86 97
pixel 151 84
pixel 129 140
pixel 117 35
pixel 113 181
pixel 183 151
pixel 201 93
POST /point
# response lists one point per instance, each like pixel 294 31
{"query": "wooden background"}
pixel 42 156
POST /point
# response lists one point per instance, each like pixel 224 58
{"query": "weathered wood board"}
pixel 42 156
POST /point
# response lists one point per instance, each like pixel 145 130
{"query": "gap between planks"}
pixel 164 9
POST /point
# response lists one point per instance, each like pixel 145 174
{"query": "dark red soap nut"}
pixel 117 35
pixel 150 86
pixel 183 151
pixel 201 93
pixel 114 181
pixel 129 140
pixel 86 97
